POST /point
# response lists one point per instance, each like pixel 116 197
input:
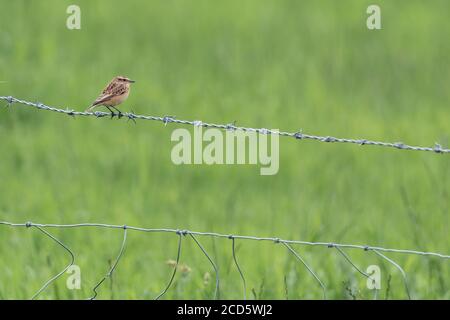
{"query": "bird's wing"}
pixel 102 98
pixel 118 90
pixel 110 87
pixel 113 89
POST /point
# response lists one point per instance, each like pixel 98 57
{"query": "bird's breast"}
pixel 119 99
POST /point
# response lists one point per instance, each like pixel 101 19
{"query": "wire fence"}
pixel 299 135
pixel 288 244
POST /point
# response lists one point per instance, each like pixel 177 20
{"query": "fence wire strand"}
pixel 113 267
pixel 182 233
pixel 403 273
pixel 52 279
pixel 347 258
pixel 174 269
pixel 297 255
pixel 216 270
pixel 233 249
pixel 299 135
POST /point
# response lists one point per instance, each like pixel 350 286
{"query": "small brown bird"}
pixel 115 93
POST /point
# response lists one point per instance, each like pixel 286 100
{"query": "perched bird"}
pixel 115 93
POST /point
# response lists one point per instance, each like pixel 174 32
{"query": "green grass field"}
pixel 310 65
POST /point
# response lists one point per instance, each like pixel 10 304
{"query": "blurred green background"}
pixel 292 65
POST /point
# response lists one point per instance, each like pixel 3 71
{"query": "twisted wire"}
pixel 298 135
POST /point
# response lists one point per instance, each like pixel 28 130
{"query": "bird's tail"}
pixel 90 108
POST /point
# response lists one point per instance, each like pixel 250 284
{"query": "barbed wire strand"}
pixel 297 255
pixel 237 265
pixel 52 279
pixel 403 273
pixel 174 269
pixel 192 234
pixel 299 135
pixel 113 267
pixel 216 270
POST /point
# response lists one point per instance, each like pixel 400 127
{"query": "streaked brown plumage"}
pixel 114 94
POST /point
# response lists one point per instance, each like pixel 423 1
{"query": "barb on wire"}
pixel 297 255
pixel 113 267
pixel 405 280
pixel 216 270
pixel 175 267
pixel 52 279
pixel 298 135
pixel 237 266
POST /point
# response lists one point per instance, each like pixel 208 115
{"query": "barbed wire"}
pixel 299 135
pixel 192 234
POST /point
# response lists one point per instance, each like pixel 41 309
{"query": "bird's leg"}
pixel 112 112
pixel 120 114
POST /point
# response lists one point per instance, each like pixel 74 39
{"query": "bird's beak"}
pixel 131 81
